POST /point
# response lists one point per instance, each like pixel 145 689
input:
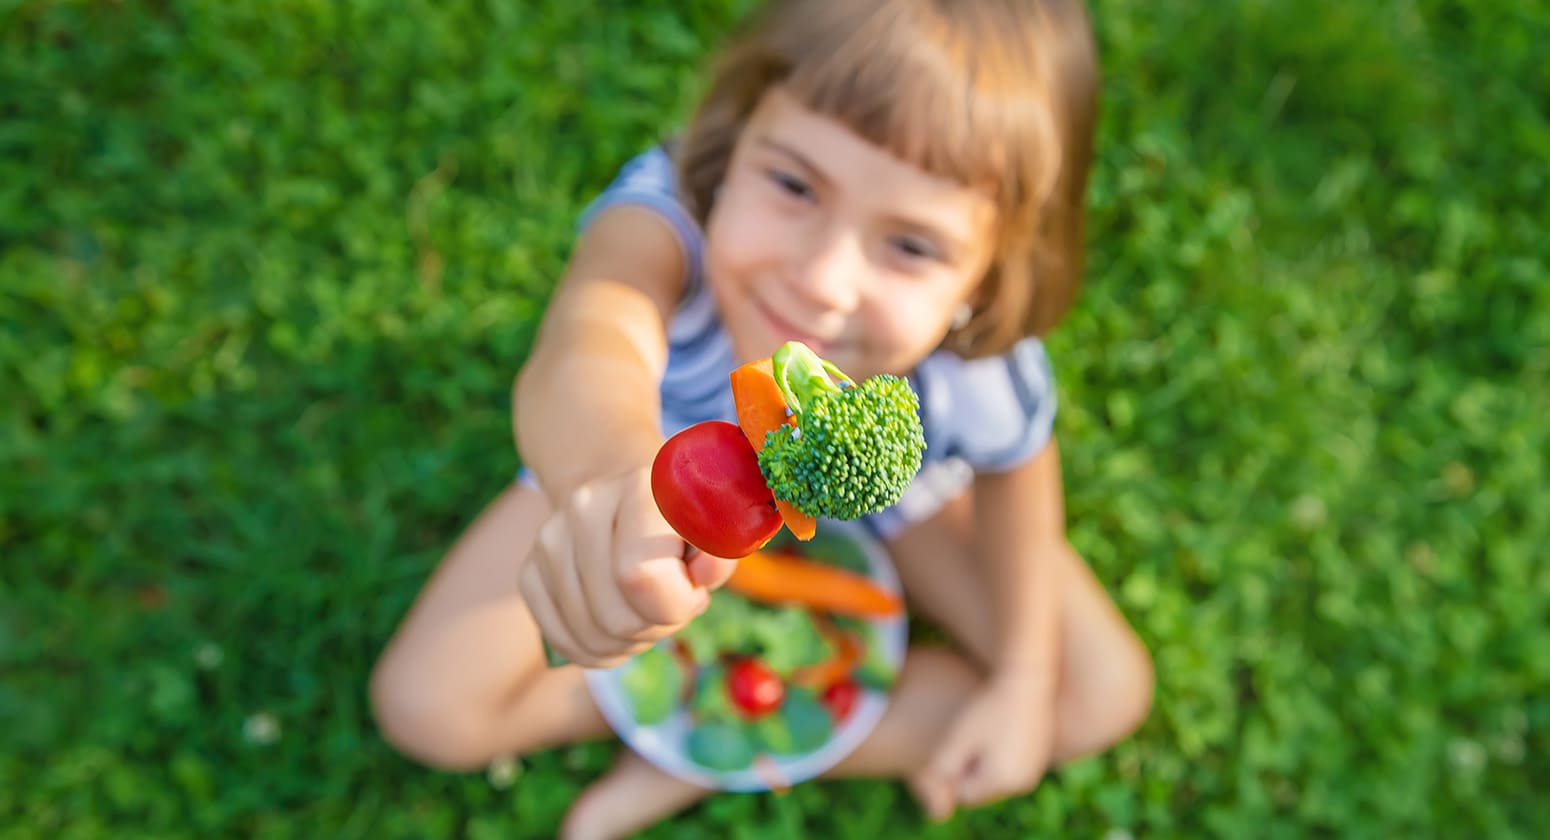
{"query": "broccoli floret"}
pixel 854 448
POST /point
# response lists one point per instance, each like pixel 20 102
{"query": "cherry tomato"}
pixel 840 698
pixel 754 688
pixel 707 483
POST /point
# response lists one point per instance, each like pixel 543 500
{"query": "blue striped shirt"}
pixel 988 414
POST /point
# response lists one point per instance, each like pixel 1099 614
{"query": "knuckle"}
pixel 648 594
pixel 593 652
pixel 552 535
pixel 618 626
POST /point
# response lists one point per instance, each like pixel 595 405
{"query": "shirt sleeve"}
pixel 993 413
pixel 650 180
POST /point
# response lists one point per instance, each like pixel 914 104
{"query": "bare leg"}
pixel 1105 683
pixel 632 796
pixel 635 795
pixel 1104 693
pixel 464 680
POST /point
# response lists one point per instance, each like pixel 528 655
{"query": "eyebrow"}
pixel 773 144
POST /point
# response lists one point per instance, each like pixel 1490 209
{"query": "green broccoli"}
pixel 854 448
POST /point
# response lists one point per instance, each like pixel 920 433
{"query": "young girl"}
pixel 900 185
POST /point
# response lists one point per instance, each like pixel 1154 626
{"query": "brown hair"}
pixel 1000 93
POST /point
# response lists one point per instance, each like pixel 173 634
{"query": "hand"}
pixel 607 577
pixel 998 746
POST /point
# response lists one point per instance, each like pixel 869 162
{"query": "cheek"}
pixel 743 238
pixel 906 328
pixel 728 237
pixel 890 341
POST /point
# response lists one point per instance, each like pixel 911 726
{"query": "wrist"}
pixel 560 479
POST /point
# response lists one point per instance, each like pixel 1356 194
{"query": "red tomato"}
pixel 840 698
pixel 754 688
pixel 707 484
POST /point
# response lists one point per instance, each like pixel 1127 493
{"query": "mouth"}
pixel 787 331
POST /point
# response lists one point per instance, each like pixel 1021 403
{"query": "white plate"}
pixel 662 743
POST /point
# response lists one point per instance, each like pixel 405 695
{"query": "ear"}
pixel 962 314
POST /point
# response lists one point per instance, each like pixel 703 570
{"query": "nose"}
pixel 832 272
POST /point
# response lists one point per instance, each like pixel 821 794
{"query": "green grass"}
pixel 265 277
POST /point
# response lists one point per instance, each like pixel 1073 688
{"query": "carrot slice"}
pixel 802 526
pixel 761 408
pixel 847 655
pixel 782 578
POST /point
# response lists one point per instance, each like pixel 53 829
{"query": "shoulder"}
pixel 646 190
pixel 648 180
pixel 992 412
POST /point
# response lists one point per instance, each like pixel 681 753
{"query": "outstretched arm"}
pixel 586 403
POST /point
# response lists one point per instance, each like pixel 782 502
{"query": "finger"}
pixel 613 614
pixel 589 579
pixel 561 576
pixel 616 659
pixel 563 643
pixel 947 768
pixel 978 788
pixel 550 627
pixel 951 758
pixel 660 591
pixel 933 794
pixel 708 570
pixel 650 570
pixel 631 533
pixel 983 785
pixel 562 604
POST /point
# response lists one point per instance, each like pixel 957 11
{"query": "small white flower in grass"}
pixel 1118 834
pixel 1465 755
pixel 261 728
pixel 208 655
pixel 1309 512
pixel 503 772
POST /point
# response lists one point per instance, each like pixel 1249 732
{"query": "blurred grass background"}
pixel 266 272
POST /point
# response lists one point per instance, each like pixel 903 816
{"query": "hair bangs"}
pixel 999 95
pixel 962 99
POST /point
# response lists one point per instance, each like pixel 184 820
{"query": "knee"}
pixel 1132 686
pixel 424 724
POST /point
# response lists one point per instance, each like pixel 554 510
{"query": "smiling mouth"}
pixel 792 332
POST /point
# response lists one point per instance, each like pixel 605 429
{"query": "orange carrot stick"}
pixel 847 655
pixel 761 408
pixel 778 577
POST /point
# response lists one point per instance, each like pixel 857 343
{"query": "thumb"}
pixel 650 567
pixel 708 570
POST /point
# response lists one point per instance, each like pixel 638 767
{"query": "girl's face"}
pixel 821 237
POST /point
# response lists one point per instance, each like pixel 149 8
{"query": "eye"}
pixel 915 248
pixel 790 184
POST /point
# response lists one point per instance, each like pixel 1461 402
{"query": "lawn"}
pixel 267 270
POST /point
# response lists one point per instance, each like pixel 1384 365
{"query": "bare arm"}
pixel 586 404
